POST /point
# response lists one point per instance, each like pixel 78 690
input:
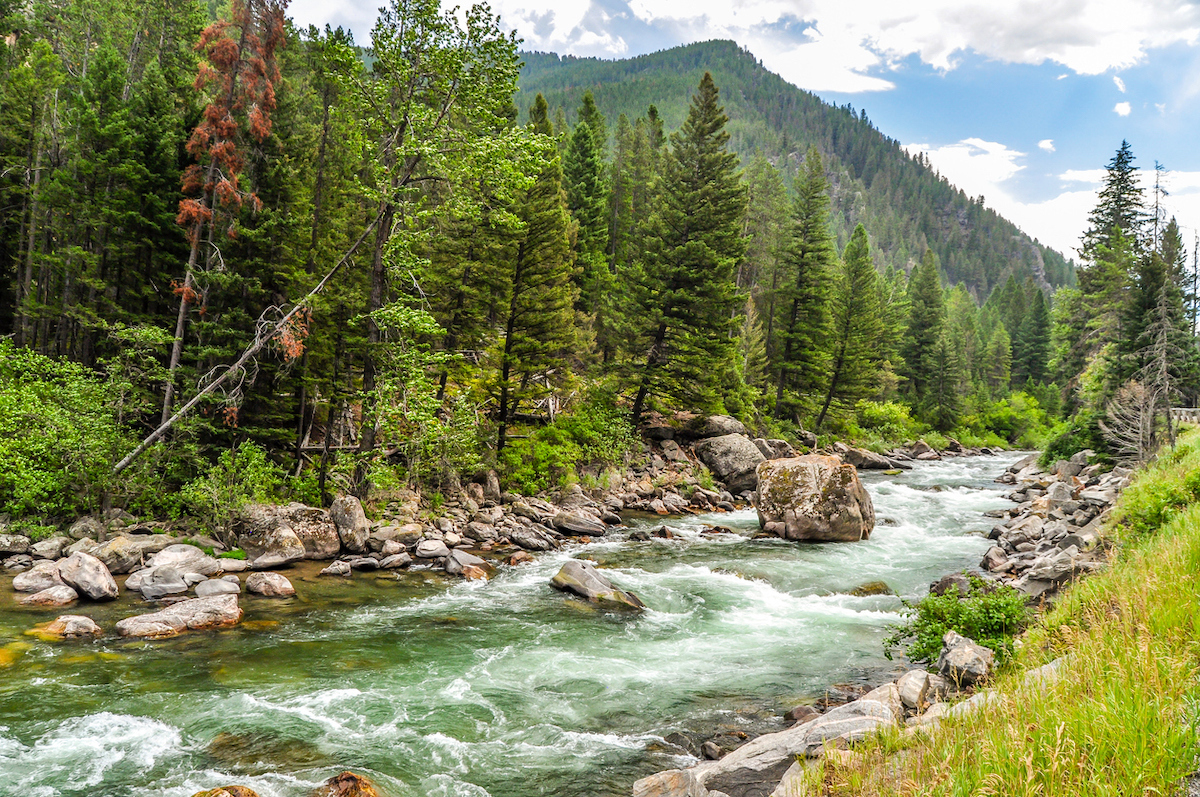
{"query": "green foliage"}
pixel 58 436
pixel 1018 419
pixel 991 615
pixel 596 433
pixel 889 419
pixel 1068 438
pixel 233 553
pixel 240 476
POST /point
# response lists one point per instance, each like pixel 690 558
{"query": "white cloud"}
pixel 1046 144
pixel 1122 109
pixel 1120 84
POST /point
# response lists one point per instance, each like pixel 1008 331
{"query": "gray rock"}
pixel 49 548
pixel 581 577
pixel 395 562
pixel 86 545
pixel 186 559
pixel 672 452
pixel 270 585
pixel 913 686
pixel 431 549
pixel 1057 567
pixel 18 563
pixel 159 582
pixel 353 528
pixel 715 426
pixel 363 563
pixel 733 459
pixel 458 560
pixel 88 576
pixel 814 497
pixel 866 460
pixel 338 568
pixel 196 614
pixel 86 528
pixel 125 553
pixel 275 548
pixel 43 575
pixel 408 534
pixel 260 527
pixel 480 532
pixel 577 523
pixel 51 596
pixel 994 559
pixel 491 486
pixel 73 626
pixel 963 661
pixel 216 586
pixel 13 544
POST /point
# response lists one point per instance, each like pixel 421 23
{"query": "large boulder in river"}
pixel 62 595
pixel 733 459
pixel 191 615
pixel 88 576
pixel 268 530
pixel 352 525
pixel 270 585
pixel 582 578
pixel 579 523
pixel 814 497
pixel 159 582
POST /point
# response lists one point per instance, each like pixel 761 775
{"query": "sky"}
pixel 1021 101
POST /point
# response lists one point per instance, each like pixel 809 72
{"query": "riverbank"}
pixel 1100 697
pixel 433 684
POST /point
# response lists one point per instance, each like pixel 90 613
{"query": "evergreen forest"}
pixel 242 260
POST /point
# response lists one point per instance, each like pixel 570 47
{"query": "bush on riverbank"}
pixel 1120 717
pixel 990 614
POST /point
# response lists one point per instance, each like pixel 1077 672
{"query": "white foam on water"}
pixel 83 751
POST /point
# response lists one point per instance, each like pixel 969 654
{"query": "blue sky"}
pixel 1022 101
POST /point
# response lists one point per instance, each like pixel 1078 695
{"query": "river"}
pixel 439 687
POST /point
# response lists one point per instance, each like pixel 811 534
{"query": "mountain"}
pixel 904 204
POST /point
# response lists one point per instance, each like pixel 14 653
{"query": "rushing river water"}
pixel 435 686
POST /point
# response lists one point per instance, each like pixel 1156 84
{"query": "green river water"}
pixel 436 686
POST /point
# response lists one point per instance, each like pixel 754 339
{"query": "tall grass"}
pixel 1121 717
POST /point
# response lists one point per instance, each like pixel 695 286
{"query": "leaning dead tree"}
pixel 281 331
pixel 1138 418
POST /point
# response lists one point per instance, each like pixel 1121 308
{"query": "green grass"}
pixel 1121 719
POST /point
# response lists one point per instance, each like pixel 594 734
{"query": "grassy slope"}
pixel 1122 718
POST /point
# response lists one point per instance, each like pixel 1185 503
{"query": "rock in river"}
pixel 228 791
pixel 88 576
pixel 159 582
pixel 347 784
pixel 578 523
pixel 52 596
pixel 582 578
pixel 270 585
pixel 72 626
pixel 271 533
pixel 815 498
pixel 190 615
pixel 352 525
pixel 44 575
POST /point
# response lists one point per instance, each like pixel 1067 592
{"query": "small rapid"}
pixel 434 686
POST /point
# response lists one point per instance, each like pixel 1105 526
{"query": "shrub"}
pixel 58 435
pixel 240 476
pixel 595 433
pixel 1067 438
pixel 991 614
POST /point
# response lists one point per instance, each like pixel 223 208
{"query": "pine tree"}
pixel 942 402
pixel 685 298
pixel 802 301
pixel 855 329
pixel 1033 346
pixel 539 332
pixel 587 197
pixel 926 319
pixel 998 360
pixel 1121 206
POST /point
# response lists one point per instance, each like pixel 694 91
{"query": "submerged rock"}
pixel 347 784
pixel 217 586
pixel 815 498
pixel 189 615
pixel 582 578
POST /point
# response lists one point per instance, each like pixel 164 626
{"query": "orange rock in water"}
pixel 520 557
pixel 473 573
pixel 347 784
pixel 227 791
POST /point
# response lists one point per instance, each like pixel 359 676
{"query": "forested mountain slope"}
pixel 905 204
